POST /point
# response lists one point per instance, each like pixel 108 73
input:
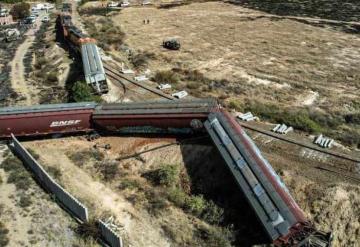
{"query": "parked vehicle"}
pixel 171 44
pixel 29 20
pixel 45 19
pixel 12 34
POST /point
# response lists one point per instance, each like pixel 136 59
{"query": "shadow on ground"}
pixel 75 72
pixel 338 10
pixel 210 177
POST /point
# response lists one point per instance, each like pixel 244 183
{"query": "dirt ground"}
pixel 40 223
pixel 284 61
pixel 332 202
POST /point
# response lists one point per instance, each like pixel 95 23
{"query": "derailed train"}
pixel 84 45
pixel 283 220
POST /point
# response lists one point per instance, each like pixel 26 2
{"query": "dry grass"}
pixel 239 54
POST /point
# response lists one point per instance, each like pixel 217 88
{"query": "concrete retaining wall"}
pixel 71 203
pixel 110 236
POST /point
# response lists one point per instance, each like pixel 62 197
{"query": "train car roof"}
pixel 46 108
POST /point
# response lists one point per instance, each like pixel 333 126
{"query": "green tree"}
pixel 82 92
pixel 20 10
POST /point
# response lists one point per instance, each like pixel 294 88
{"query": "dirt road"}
pixel 18 81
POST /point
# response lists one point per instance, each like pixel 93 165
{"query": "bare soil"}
pixel 40 223
pixel 332 202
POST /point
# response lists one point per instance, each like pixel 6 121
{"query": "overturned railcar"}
pixel 283 220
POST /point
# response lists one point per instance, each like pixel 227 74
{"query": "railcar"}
pixel 281 217
pixel 46 119
pixel 154 116
pixel 283 220
pixel 86 47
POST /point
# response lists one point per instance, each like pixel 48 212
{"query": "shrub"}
pixel 20 10
pixel 141 59
pixel 194 75
pixel 353 118
pixel 17 173
pixel 89 229
pixel 212 213
pixel 166 175
pixel 157 202
pixel 33 153
pixel 108 170
pixel 193 85
pixel 177 196
pixel 54 172
pixel 166 76
pixel 128 183
pixel 25 201
pixel 81 157
pixel 4 239
pixel 215 237
pixel 235 104
pixel 195 204
pixel 81 92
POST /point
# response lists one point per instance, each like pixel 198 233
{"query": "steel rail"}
pixel 299 143
pixel 155 91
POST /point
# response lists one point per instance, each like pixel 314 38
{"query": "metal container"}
pixel 46 119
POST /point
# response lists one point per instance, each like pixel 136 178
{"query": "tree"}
pixel 82 92
pixel 20 10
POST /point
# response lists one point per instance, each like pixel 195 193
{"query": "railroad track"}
pixel 111 72
pixel 118 76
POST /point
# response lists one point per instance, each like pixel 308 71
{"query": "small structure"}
pixel 323 141
pixel 180 95
pixel 282 129
pixel 140 78
pixel 164 86
pixel 248 117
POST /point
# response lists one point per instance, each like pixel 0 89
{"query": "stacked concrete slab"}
pixel 282 129
pixel 323 141
pixel 248 117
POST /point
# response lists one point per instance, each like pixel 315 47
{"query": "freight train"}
pixel 84 45
pixel 283 220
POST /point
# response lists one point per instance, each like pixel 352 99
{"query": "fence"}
pixel 109 235
pixel 67 200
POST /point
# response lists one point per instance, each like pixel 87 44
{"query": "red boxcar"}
pixel 46 119
pixel 164 115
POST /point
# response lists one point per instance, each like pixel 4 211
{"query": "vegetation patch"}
pixel 81 92
pixel 89 229
pixel 18 175
pixel 141 59
pixel 166 175
pixel 130 184
pixel 80 158
pixel 166 76
pixel 4 239
pixel 106 32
